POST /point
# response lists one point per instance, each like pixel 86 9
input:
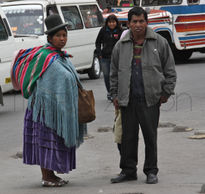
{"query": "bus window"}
pixel 91 15
pixel 160 2
pixel 72 17
pixel 51 9
pixel 124 3
pixel 3 34
pixel 193 1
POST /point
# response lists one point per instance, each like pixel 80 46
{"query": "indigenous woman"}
pixel 47 78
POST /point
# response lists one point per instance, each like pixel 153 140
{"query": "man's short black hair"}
pixel 137 11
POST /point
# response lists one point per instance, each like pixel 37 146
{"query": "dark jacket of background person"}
pixel 106 41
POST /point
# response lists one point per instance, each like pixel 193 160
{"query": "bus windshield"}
pixel 25 19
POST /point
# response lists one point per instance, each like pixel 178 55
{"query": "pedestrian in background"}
pixel 142 77
pixel 49 81
pixel 107 37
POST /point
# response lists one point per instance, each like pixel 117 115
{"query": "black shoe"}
pixel 152 179
pixel 123 177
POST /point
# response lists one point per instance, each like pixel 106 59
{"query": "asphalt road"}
pixel 181 159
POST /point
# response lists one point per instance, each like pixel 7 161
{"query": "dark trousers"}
pixel 135 114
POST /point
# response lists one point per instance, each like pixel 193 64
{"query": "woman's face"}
pixel 112 24
pixel 59 39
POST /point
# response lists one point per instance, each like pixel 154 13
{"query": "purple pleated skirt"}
pixel 42 146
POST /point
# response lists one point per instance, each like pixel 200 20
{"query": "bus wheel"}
pixel 179 55
pixel 182 55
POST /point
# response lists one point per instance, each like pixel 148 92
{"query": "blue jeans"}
pixel 105 65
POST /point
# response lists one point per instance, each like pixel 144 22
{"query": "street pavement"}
pixel 181 159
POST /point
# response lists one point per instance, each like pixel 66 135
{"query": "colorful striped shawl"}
pixel 30 64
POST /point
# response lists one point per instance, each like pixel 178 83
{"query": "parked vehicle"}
pixel 7 47
pixel 83 16
pixel 184 28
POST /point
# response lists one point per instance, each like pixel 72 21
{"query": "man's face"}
pixel 138 25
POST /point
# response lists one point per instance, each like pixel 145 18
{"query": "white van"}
pixel 7 48
pixel 83 16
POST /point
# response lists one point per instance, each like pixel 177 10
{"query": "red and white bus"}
pixel 181 22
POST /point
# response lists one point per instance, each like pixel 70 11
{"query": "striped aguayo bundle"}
pixel 30 64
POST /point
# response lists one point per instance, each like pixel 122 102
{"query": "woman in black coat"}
pixel 108 36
